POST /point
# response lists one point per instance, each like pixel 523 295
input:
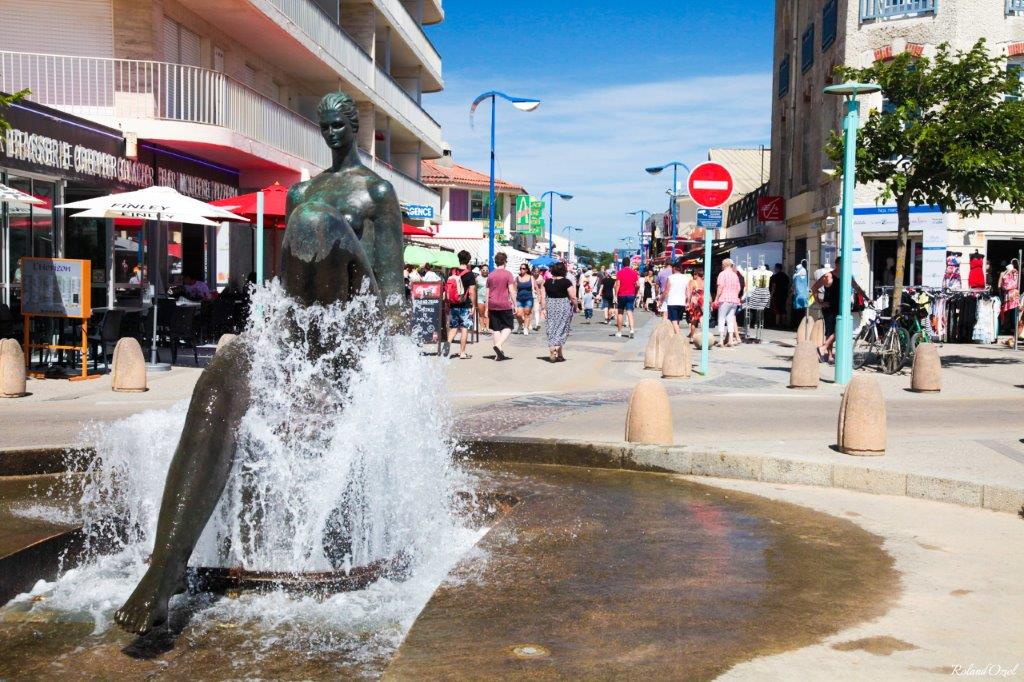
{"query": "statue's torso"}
pixel 349 192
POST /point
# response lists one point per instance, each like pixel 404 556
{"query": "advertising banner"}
pixel 56 287
pixel 929 221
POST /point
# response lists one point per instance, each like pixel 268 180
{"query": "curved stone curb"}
pixel 765 468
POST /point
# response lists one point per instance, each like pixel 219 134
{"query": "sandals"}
pixel 464 356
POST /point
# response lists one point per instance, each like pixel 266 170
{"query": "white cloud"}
pixel 595 142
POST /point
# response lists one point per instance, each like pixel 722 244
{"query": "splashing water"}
pixel 335 468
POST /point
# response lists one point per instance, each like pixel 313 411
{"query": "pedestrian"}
pixel 481 297
pixel 649 292
pixel 695 302
pixel 607 291
pixel 558 301
pixel 588 302
pixel 524 299
pixel 826 291
pixel 538 283
pixel 659 283
pixel 778 288
pixel 674 296
pixel 501 299
pixel 627 283
pixel 460 290
pixel 427 274
pixel 727 300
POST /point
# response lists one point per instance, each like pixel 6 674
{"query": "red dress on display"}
pixel 976 277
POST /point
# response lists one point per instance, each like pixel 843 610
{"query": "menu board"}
pixel 56 287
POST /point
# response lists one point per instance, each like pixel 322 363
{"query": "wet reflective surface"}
pixel 595 573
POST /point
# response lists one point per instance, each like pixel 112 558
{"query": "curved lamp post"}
pixel 571 246
pixel 675 165
pixel 521 103
pixel 644 214
pixel 551 224
pixel 844 322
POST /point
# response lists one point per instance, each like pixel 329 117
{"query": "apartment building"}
pixel 213 96
pixel 812 37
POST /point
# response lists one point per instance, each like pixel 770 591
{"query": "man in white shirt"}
pixel 427 274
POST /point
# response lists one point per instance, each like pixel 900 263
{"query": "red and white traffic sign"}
pixel 710 185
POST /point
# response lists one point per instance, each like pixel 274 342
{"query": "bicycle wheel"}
pixel 919 338
pixel 865 348
pixel 893 353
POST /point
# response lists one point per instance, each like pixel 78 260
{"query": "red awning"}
pixel 274 200
pixel 413 231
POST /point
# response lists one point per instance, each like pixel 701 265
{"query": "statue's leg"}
pixel 195 482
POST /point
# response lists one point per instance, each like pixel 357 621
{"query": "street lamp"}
pixel 571 246
pixel 676 165
pixel 644 214
pixel 551 224
pixel 844 322
pixel 521 103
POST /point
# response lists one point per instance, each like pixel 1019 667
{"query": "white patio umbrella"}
pixel 9 195
pixel 160 204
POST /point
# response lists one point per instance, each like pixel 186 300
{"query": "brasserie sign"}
pixel 41 150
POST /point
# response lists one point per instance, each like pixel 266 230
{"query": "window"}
pixel 249 75
pixel 1013 69
pixel 784 76
pixel 480 206
pixel 829 24
pixel 807 49
pixel 181 46
pixel 458 200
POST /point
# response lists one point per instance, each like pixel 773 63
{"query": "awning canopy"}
pixel 274 203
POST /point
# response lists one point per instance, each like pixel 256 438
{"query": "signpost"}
pixel 710 218
pixel 710 186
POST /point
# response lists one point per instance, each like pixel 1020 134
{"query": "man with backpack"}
pixel 460 291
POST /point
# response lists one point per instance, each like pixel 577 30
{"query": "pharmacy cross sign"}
pixel 710 185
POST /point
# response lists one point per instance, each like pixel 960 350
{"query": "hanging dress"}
pixel 800 288
pixel 1008 284
pixel 976 275
pixel 951 278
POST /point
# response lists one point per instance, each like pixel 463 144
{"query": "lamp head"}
pixel 524 104
pixel 852 89
pixel 654 170
pixel 566 197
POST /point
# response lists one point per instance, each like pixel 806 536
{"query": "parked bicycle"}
pixel 890 341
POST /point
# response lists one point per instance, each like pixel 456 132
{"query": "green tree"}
pixel 952 136
pixel 7 100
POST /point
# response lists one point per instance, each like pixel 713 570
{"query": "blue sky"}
pixel 624 85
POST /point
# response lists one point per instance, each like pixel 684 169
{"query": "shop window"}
pixel 31 227
pixel 829 24
pixel 807 49
pixel 784 76
pixel 480 206
pixel 458 204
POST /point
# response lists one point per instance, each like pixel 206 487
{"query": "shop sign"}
pixel 771 209
pixel 419 211
pixel 930 221
pixel 537 217
pixel 56 287
pixel 190 176
pixel 522 222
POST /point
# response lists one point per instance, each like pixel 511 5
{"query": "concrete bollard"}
pixel 655 346
pixel 12 369
pixel 803 330
pixel 926 372
pixel 128 367
pixel 818 333
pixel 677 362
pixel 649 417
pixel 224 340
pixel 862 418
pixel 805 372
pixel 667 334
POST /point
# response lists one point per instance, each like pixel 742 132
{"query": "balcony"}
pixel 1015 6
pixel 408 190
pixel 377 86
pixel 896 9
pixel 411 33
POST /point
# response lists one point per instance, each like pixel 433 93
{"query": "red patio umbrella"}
pixel 413 231
pixel 274 199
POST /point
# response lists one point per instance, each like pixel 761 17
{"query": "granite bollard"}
pixel 805 372
pixel 862 424
pixel 649 416
pixel 12 369
pixel 926 372
pixel 676 362
pixel 128 367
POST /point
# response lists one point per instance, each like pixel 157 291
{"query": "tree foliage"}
pixel 952 135
pixel 7 100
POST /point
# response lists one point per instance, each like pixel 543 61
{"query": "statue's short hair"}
pixel 340 101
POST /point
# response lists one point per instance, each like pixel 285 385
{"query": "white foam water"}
pixel 374 442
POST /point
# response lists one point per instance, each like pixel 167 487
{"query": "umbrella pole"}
pixel 259 238
pixel 152 349
pixel 110 262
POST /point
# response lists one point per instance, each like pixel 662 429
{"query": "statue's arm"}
pixel 387 247
pixel 296 195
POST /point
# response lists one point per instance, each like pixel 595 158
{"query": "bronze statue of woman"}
pixel 344 233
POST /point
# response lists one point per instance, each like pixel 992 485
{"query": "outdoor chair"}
pixel 183 330
pixel 221 318
pixel 106 335
pixel 6 322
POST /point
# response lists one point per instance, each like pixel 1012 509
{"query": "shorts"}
pixel 830 322
pixel 461 318
pixel 675 313
pixel 524 301
pixel 606 303
pixel 499 320
pixel 626 303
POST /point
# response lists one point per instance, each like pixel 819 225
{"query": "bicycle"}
pixel 881 341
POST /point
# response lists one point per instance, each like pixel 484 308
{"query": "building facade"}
pixel 812 37
pixel 228 86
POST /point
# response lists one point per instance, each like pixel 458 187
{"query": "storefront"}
pixel 60 158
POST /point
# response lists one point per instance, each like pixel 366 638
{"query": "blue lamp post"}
pixel 844 321
pixel 551 220
pixel 571 252
pixel 521 103
pixel 643 217
pixel 676 165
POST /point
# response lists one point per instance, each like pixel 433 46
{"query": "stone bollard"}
pixel 926 372
pixel 805 372
pixel 128 367
pixel 677 362
pixel 224 340
pixel 818 332
pixel 803 330
pixel 649 417
pixel 862 418
pixel 12 369
pixel 667 334
pixel 655 346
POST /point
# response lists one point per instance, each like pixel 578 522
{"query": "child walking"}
pixel 588 303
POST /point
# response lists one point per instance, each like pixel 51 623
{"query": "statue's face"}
pixel 337 130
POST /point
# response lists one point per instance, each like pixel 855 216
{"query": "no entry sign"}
pixel 710 185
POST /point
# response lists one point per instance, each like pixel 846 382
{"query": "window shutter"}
pixel 77 27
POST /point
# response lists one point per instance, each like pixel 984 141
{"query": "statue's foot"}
pixel 147 607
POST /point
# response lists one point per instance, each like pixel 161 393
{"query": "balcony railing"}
pixel 1015 6
pixel 326 33
pixel 408 189
pixel 413 33
pixel 890 9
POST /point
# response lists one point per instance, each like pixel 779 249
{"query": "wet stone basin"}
pixel 593 574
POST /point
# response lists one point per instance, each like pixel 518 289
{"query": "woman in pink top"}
pixel 727 300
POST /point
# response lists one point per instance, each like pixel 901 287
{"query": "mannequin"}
pixel 976 274
pixel 800 291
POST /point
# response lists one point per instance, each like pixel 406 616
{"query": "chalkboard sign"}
pixel 426 311
pixel 56 287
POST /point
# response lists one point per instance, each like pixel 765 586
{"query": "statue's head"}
pixel 339 120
